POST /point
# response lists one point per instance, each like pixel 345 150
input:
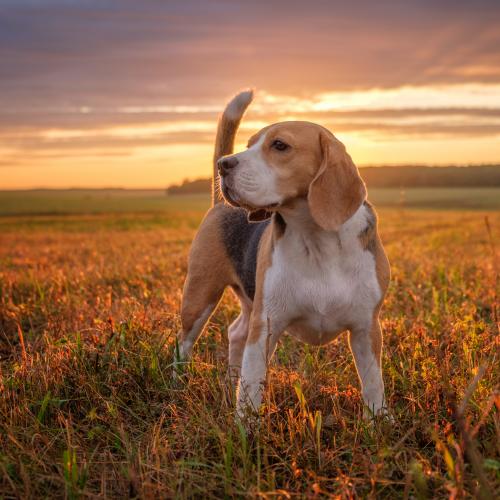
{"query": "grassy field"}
pixel 88 408
pixel 81 201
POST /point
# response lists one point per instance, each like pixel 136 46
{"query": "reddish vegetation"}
pixel 88 317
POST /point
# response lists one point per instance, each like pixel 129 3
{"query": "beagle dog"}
pixel 297 242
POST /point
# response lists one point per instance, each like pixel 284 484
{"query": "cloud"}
pixel 136 131
pixel 130 53
pixel 88 68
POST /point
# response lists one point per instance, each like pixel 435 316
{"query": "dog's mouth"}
pixel 229 195
pixel 232 197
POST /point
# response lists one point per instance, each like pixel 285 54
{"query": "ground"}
pixel 88 406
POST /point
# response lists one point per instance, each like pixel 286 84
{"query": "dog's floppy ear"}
pixel 337 190
pixel 259 215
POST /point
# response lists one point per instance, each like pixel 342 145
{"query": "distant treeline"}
pixel 192 187
pixel 386 177
pixel 419 176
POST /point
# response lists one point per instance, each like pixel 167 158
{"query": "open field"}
pixel 88 315
pixel 78 201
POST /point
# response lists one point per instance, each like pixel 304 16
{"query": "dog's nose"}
pixel 226 164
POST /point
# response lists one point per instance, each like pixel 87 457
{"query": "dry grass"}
pixel 88 408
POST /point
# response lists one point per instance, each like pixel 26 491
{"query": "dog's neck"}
pixel 298 218
pixel 313 240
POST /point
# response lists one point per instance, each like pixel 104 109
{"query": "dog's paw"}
pixel 380 415
pixel 247 416
pixel 379 421
pixel 179 372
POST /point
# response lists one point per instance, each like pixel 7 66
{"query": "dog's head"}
pixel 291 160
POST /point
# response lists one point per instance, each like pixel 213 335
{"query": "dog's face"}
pixel 278 165
pixel 290 160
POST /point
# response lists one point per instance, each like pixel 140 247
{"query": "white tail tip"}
pixel 238 104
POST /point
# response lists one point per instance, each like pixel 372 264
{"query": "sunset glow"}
pixel 104 114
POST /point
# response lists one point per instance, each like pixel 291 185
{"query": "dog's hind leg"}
pixel 238 333
pixel 207 277
pixel 200 298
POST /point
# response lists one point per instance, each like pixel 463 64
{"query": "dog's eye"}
pixel 279 145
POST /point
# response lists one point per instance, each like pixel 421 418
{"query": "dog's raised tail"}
pixel 226 133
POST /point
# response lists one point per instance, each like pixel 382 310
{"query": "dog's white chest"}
pixel 326 292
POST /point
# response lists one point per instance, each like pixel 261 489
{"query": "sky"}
pixel 126 93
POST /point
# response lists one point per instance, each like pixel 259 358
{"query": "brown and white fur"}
pixel 315 269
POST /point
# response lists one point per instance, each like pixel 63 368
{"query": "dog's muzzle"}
pixel 225 165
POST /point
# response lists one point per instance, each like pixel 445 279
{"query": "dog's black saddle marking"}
pixel 241 239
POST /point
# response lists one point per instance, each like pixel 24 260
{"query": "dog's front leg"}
pixel 259 348
pixel 366 347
